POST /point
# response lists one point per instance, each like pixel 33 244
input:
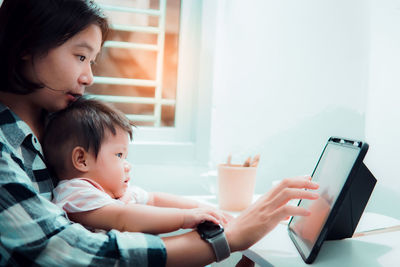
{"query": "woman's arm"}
pixel 245 230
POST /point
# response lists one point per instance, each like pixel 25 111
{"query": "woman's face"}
pixel 65 71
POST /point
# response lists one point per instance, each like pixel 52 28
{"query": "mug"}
pixel 235 186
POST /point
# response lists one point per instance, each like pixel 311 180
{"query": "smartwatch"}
pixel 214 234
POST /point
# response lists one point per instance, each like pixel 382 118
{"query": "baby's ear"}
pixel 80 159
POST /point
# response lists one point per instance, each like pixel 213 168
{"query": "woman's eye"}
pixel 119 155
pixel 82 58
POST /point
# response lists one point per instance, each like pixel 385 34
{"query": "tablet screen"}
pixel 331 174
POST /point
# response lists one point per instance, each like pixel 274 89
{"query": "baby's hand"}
pixel 225 217
pixel 192 217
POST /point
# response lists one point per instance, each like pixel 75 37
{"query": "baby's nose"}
pixel 127 166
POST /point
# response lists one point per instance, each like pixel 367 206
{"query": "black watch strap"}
pixel 220 246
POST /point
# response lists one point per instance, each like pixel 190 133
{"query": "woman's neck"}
pixel 22 105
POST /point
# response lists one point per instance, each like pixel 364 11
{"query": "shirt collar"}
pixel 14 130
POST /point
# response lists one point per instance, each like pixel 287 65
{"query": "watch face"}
pixel 209 229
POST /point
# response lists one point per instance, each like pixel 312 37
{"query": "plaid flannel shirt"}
pixel 34 231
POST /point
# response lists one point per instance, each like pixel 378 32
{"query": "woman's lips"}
pixel 73 97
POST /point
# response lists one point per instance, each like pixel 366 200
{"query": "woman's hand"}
pixel 261 217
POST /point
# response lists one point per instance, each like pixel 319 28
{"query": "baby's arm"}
pixel 143 218
pixel 160 199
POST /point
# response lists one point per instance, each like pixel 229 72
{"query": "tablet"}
pixel 335 172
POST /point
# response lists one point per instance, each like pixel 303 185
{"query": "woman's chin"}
pixel 58 107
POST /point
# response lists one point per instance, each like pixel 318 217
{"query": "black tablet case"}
pixel 353 205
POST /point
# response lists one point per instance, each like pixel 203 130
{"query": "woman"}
pixel 46 50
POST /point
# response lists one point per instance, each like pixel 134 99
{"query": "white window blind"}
pixel 172 105
pixel 138 33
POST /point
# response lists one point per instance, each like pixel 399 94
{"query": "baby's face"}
pixel 111 169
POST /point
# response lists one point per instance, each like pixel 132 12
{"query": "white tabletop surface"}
pixel 373 249
pixel 376 248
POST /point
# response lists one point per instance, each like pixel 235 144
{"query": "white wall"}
pixel 289 74
pixel 383 112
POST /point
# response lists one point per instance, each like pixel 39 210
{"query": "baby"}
pixel 86 146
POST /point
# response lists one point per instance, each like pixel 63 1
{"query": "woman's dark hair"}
pixel 85 123
pixel 33 27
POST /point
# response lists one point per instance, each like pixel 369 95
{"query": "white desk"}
pixel 375 249
pixel 277 249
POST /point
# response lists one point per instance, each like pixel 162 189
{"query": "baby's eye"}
pixel 119 155
pixel 82 58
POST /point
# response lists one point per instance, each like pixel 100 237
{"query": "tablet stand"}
pixel 353 205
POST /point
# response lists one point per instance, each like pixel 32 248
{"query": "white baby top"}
pixel 82 194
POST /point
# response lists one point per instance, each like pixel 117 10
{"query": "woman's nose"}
pixel 86 78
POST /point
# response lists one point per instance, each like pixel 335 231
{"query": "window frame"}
pixel 189 141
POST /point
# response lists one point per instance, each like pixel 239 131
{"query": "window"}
pixel 138 67
pixel 152 69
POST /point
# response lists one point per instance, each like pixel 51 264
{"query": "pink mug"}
pixel 235 186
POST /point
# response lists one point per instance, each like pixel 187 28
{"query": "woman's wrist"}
pixel 229 234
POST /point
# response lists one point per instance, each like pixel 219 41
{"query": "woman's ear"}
pixel 80 159
pixel 26 56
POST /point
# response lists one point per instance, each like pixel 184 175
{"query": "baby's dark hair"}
pixel 84 123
